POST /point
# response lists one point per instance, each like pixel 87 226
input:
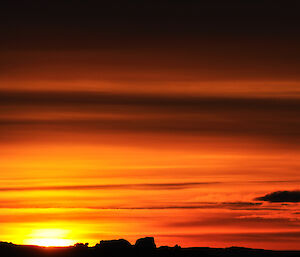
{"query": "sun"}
pixel 49 237
pixel 48 242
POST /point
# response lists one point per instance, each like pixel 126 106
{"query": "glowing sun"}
pixel 49 237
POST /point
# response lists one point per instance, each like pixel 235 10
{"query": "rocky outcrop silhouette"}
pixel 146 243
pixel 144 247
pixel 119 244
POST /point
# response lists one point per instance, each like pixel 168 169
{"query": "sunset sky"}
pixel 178 120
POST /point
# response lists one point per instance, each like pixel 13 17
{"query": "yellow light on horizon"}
pixel 49 237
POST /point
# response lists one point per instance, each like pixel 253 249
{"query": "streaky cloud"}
pixel 142 186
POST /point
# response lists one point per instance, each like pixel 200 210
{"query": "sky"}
pixel 178 120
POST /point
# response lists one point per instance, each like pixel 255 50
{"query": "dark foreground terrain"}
pixel 143 247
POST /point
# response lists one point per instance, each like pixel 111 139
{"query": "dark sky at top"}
pixel 86 24
pixel 254 35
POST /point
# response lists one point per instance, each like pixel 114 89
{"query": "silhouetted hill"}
pixel 143 247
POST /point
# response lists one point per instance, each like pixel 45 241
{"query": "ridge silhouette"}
pixel 143 247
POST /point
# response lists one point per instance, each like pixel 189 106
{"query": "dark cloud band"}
pixel 275 118
pixel 158 186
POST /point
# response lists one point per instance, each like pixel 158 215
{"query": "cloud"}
pixel 196 103
pixel 255 237
pixel 142 186
pixel 240 205
pixel 95 113
pixel 235 206
pixel 281 196
pixel 234 219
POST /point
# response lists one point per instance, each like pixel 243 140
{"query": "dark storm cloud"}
pixel 281 196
